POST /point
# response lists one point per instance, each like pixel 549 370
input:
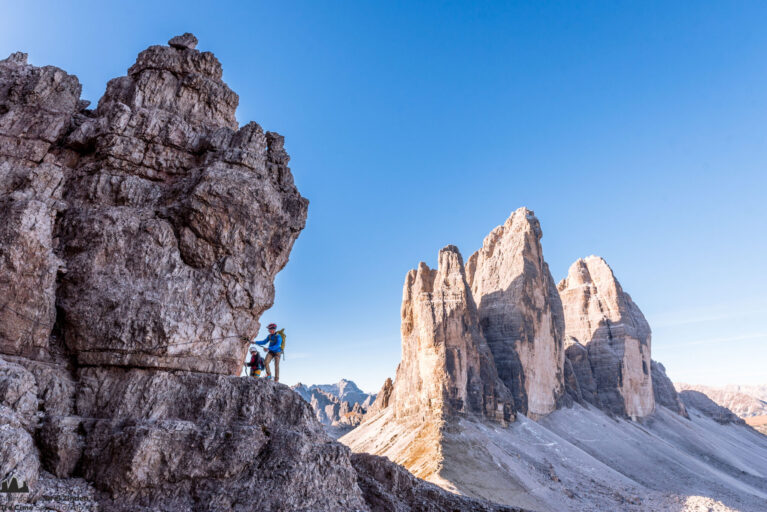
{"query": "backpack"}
pixel 281 332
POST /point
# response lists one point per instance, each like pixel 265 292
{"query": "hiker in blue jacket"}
pixel 274 351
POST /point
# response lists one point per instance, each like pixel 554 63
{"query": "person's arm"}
pixel 262 342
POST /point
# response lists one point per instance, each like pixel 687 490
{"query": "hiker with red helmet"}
pixel 274 351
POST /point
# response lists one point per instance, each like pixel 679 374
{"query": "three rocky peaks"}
pixel 545 396
pixel 496 336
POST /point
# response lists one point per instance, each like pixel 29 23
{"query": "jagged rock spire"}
pixel 601 317
pixel 520 312
pixel 446 366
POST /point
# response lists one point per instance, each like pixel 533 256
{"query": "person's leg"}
pixel 266 364
pixel 277 367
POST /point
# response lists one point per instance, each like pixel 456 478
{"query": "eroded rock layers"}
pixel 446 365
pixel 520 312
pixel 607 339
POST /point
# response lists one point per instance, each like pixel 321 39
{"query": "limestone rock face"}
pixel 179 220
pixel 581 386
pixel 520 313
pixel 18 392
pixel 382 398
pixel 446 365
pixel 36 109
pixel 446 373
pixel 193 441
pixel 601 317
pixel 664 390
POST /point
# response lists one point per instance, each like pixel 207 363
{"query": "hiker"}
pixel 274 349
pixel 256 363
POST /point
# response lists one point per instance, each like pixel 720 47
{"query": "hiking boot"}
pixel 268 377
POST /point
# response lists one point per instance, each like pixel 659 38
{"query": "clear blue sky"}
pixel 635 130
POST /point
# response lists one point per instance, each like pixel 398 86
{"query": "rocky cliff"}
pixel 447 367
pixel 447 370
pixel 704 404
pixel 608 340
pixel 520 313
pixel 139 244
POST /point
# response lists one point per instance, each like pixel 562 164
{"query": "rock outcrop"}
pixel 203 441
pixel 447 368
pixel 447 372
pixel 520 313
pixel 382 397
pixel 608 338
pixel 195 214
pixel 501 316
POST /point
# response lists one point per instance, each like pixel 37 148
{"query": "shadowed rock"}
pixel 446 365
pixel 664 390
pixel 602 318
pixel 389 487
pixel 520 313
pixel 701 402
pixel 178 220
pixel 741 403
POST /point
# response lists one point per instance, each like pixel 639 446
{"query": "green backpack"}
pixel 281 332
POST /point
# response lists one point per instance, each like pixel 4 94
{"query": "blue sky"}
pixel 635 130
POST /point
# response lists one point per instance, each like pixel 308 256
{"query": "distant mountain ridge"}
pixel 744 401
pixel 338 407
